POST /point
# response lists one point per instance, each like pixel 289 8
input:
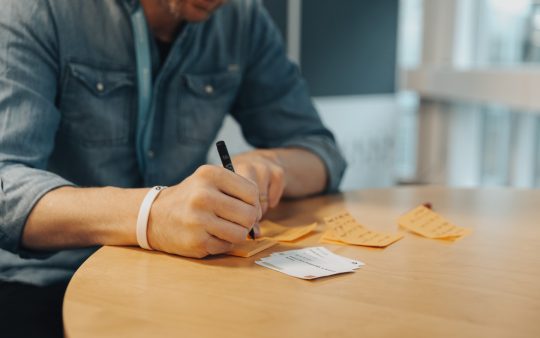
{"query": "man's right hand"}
pixel 205 214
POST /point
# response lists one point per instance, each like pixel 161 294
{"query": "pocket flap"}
pixel 100 81
pixel 211 85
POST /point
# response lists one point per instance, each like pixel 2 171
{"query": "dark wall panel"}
pixel 349 46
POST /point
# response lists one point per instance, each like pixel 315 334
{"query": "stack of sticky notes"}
pixel 309 263
pixel 344 229
pixel 427 223
pixel 271 234
pixel 284 233
pixel 251 247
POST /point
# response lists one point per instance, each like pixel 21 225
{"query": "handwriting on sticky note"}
pixel 343 219
pixel 361 236
pixel 250 247
pixel 343 228
pixel 283 233
pixel 427 223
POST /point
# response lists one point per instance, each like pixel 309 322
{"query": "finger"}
pixel 237 186
pixel 257 230
pixel 227 231
pixel 236 211
pixel 216 246
pixel 276 187
pixel 259 174
pixel 263 182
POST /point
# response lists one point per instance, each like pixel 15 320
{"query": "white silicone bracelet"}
pixel 144 212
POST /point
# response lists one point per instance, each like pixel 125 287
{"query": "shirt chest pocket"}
pixel 204 102
pixel 96 105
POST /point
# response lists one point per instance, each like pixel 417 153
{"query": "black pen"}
pixel 227 164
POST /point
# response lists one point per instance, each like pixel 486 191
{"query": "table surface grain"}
pixel 486 284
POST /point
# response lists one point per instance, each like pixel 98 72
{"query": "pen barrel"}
pixel 224 155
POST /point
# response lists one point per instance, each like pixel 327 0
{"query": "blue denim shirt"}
pixel 68 107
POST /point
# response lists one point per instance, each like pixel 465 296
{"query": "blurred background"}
pixel 421 91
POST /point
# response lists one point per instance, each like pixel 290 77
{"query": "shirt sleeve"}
pixel 273 107
pixel 28 117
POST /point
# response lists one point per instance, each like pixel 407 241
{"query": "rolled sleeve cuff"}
pixel 326 149
pixel 20 190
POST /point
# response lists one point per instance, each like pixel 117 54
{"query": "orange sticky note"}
pixel 251 247
pixel 343 228
pixel 283 233
pixel 427 223
pixel 343 219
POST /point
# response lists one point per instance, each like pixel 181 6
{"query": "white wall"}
pixel 365 130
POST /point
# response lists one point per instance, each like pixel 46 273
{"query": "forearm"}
pixel 305 173
pixel 70 217
pixel 205 214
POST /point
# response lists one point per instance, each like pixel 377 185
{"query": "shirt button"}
pixel 209 89
pixel 100 87
pixel 150 154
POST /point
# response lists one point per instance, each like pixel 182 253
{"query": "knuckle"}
pixel 278 173
pixel 266 167
pixel 248 172
pixel 206 171
pixel 261 170
pixel 253 172
pixel 201 199
pixel 240 166
pixel 258 166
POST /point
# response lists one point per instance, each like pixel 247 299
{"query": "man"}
pixel 100 99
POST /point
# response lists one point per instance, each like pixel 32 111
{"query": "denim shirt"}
pixel 69 105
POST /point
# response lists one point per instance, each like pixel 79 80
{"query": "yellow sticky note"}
pixel 343 219
pixel 345 229
pixel 427 223
pixel 283 233
pixel 251 247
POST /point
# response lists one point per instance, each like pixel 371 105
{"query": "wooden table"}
pixel 485 285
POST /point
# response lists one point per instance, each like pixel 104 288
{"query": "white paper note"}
pixel 309 263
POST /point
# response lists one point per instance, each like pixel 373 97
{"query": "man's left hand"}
pixel 265 169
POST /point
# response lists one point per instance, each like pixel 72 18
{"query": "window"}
pixel 477 79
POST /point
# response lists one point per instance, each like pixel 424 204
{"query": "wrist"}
pixel 143 217
pixel 122 222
